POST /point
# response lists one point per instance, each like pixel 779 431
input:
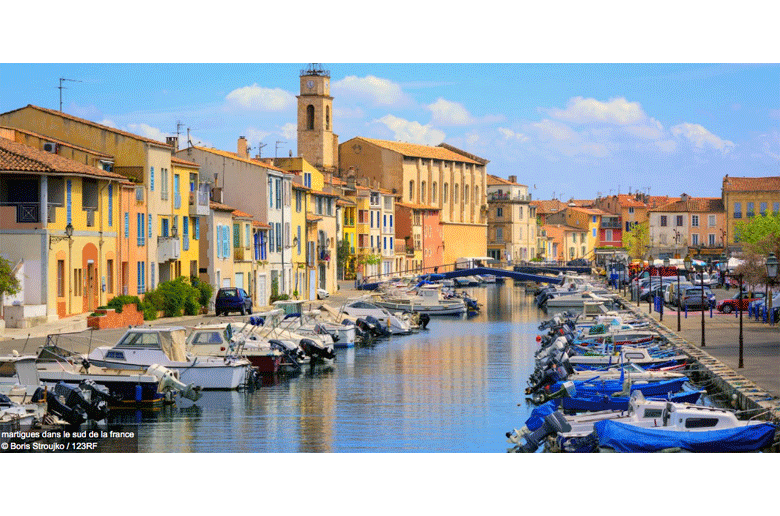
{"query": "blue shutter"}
pixel 151 179
pixel 127 224
pixel 225 242
pixel 246 234
pixel 150 226
pixel 197 228
pixel 391 222
pixel 219 241
pixel 140 226
pixel 262 245
pixel 110 204
pixel 151 282
pixel 278 237
pixel 299 239
pixel 256 240
pixel 68 200
pixel 138 277
pixel 391 245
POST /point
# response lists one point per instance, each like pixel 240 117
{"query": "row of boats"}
pixel 606 381
pixel 150 365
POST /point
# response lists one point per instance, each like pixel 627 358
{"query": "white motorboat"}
pixel 428 300
pixel 141 347
pixel 220 340
pixel 575 300
pixel 310 323
pixel 362 307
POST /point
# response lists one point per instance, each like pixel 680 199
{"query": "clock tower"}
pixel 316 141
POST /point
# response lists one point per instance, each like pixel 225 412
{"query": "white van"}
pixel 670 293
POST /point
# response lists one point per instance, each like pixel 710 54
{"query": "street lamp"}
pixel 771 272
pixel 701 276
pixel 724 268
pixel 650 261
pixel 661 287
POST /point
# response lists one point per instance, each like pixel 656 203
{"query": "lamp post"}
pixel 771 272
pixel 723 266
pixel 661 288
pixel 687 263
pixel 650 261
pixel 677 293
pixel 701 276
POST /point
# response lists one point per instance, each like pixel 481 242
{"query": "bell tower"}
pixel 316 141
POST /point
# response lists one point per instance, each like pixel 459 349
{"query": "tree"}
pixel 9 283
pixel 761 236
pixel 637 241
pixel 342 256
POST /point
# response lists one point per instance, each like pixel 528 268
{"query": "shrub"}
pixel 119 301
pixel 206 291
pixel 149 310
pixel 174 298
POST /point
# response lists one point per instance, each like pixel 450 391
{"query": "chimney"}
pixel 351 182
pixel 513 179
pixel 243 152
pixel 173 141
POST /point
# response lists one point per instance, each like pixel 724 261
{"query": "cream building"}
pixel 511 220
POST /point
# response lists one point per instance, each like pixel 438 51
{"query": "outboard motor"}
pixel 380 329
pixel 291 352
pixel 544 396
pixel 72 396
pixel 553 424
pixel 424 320
pixel 314 350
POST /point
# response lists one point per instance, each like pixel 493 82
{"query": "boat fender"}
pixel 139 391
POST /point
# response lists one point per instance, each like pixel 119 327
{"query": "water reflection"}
pixel 452 388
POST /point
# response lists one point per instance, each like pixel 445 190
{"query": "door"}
pixel 92 290
pixel 312 286
pixel 322 276
pixel 262 296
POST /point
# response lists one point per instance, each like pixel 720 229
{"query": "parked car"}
pixel 740 301
pixel 322 293
pixel 709 281
pixel 670 292
pixel 578 262
pixel 691 297
pixel 658 288
pixel 233 300
pixel 757 305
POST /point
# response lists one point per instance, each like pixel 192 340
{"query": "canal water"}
pixel 453 388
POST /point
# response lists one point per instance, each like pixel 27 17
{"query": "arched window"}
pixel 446 194
pixel 456 197
pixel 327 118
pixel 477 198
pixel 411 190
pixel 433 192
pixel 309 117
pixel 466 194
pixel 422 192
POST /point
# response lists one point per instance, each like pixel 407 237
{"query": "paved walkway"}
pixel 761 342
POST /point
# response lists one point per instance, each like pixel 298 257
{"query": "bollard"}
pixel 710 311
pixel 686 310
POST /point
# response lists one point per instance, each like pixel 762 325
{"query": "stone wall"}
pixel 130 316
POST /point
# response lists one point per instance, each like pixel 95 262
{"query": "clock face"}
pixel 310 84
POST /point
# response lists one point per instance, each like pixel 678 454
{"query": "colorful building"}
pixel 511 220
pixel 744 198
pixel 59 226
pixel 692 225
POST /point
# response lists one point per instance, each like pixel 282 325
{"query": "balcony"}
pixel 737 214
pixel 610 224
pixel 168 248
pixel 199 204
pixel 323 255
pixel 506 196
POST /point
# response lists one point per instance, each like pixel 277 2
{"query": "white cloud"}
pixel 509 134
pixel 550 130
pixel 446 112
pixel 147 131
pixel 701 137
pixel 615 111
pixel 261 99
pixel 412 132
pixel 472 139
pixel 379 91
pixel 254 137
pixel 563 139
pixel 666 145
pixel 289 131
pixel 344 113
pixel 109 123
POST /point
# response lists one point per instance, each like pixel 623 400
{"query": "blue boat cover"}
pixel 623 437
pixel 539 413
pixel 609 386
pixel 604 402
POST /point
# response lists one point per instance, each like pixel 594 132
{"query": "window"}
pixel 141 229
pixel 111 204
pixel 165 226
pixel 499 235
pixel 310 117
pixel 76 282
pixel 151 179
pixel 372 218
pixel 384 221
pixel 271 237
pixel 751 209
pixel 298 198
pixel 608 235
pixel 127 225
pixel 246 235
pixel 776 207
pixel 737 210
pixel 456 197
pixel 499 212
pixel 594 232
pixel 761 209
pixel 679 221
pixel 197 228
pixel 663 222
pixel 60 278
pixel 307 179
pixel 445 197
pixel 631 209
pixel 68 200
pixel 711 239
pixel 327 118
pixel 278 193
pixel 110 276
pixel 466 194
pixel 164 186
pixel 411 190
pixel 422 192
pixel 278 237
pixel 628 225
pixel 141 280
pixel 594 219
pixel 711 221
pixel 433 192
pixel 270 192
pixel 287 234
pixel 521 213
pixel 695 221
pixel 694 239
pixel 299 240
pixel 391 222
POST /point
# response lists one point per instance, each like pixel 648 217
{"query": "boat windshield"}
pixel 139 340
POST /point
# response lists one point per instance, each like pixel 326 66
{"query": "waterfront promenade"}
pixel 761 342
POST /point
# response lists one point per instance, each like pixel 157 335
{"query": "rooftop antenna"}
pixel 260 149
pixel 276 150
pixel 179 125
pixel 61 87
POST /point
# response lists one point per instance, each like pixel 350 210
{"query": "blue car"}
pixel 233 300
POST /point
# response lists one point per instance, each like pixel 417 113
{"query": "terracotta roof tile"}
pixel 629 201
pixel 220 207
pixel 546 207
pixel 93 124
pixel 17 157
pixel 258 224
pixel 233 155
pixel 179 161
pixel 495 180
pixel 312 218
pixel 692 205
pixel 751 184
pixel 241 214
pixel 420 151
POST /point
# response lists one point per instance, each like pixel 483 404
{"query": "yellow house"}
pixel 745 198
pixel 59 226
pixel 299 237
